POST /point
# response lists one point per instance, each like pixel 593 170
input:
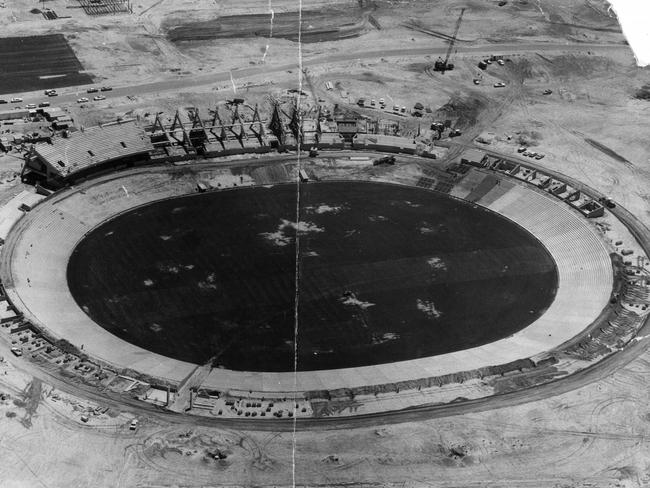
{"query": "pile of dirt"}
pixel 528 138
pixel 643 93
pixel 465 110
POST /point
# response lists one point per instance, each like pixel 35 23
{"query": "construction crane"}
pixel 445 65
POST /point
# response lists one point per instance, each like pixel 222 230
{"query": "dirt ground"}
pixel 594 126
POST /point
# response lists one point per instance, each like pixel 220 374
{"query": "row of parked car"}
pixel 531 154
pixel 53 93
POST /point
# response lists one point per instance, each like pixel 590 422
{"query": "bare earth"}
pixel 594 436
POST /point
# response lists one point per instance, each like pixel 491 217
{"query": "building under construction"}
pixel 232 128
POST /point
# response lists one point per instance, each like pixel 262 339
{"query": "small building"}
pixel 474 157
pixel 53 113
pixel 14 114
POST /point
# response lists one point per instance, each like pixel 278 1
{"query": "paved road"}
pixel 594 373
pixel 239 74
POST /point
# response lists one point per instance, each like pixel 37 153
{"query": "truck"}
pixel 389 160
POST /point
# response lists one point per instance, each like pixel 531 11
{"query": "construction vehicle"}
pixel 438 128
pixel 444 65
pixel 388 160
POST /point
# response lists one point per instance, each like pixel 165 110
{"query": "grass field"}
pixel 387 273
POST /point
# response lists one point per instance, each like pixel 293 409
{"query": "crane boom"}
pixel 453 38
pixel 445 65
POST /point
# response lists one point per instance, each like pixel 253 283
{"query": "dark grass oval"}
pixel 386 273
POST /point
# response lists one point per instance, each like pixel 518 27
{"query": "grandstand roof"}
pixel 96 145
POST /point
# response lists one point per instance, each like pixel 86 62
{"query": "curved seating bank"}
pixel 37 250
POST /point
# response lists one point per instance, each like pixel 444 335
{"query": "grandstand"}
pixel 82 151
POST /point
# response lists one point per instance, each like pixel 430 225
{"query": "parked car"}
pixel 134 424
pixel 44 104
pixel 92 90
pixel 522 149
pixel 16 100
pixel 50 91
pixel 547 92
pixel 99 97
pixel 17 351
pixel 30 105
pixel 3 101
pixel 82 100
pixel 499 84
pixel 106 88
pixel 500 62
pixel 53 93
pixel 539 156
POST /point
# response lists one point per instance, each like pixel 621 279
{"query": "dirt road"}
pixel 240 74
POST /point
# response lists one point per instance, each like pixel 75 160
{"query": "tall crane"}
pixel 445 65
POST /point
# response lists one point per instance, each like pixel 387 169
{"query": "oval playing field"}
pixel 386 273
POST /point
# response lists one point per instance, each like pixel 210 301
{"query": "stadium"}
pixel 291 278
pixel 322 244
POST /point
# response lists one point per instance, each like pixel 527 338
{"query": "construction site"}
pixel 326 243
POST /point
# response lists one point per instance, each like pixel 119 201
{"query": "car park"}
pixel 99 97
pixel 82 100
